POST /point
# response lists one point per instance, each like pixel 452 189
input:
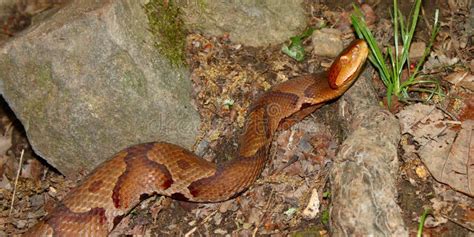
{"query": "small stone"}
pixel 291 211
pixel 225 206
pixel 220 232
pixel 202 147
pixel 417 49
pixel 246 226
pixel 327 42
pixel 312 210
pixel 254 216
pixel 37 201
pixel 20 224
pixel 217 218
pixel 52 192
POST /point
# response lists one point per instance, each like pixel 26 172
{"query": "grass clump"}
pixel 391 70
pixel 168 28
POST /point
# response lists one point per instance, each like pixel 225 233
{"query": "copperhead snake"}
pixel 109 192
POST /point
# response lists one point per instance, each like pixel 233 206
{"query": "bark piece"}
pixel 363 176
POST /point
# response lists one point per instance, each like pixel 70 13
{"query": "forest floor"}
pixel 226 77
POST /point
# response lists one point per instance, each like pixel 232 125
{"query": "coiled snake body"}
pixel 107 194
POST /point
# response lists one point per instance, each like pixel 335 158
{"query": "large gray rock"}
pixel 88 82
pixel 250 22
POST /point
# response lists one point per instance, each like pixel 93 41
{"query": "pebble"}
pixel 327 42
pixel 220 232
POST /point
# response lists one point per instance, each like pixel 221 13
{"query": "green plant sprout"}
pixel 391 74
pixel 422 222
pixel 325 217
pixel 296 49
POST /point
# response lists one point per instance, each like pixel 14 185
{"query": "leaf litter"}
pixel 445 146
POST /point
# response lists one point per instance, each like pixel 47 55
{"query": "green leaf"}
pixel 325 217
pixel 296 49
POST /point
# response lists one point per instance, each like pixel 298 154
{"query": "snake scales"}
pixel 110 191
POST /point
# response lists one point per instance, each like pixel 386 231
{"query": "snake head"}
pixel 348 64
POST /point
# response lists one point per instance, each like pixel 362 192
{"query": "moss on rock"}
pixel 167 27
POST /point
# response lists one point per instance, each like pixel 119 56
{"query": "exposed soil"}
pixel 226 77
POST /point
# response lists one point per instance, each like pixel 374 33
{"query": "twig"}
pixel 16 181
pixel 189 233
pixel 433 138
pixel 470 162
pixel 264 213
pixel 457 222
pixel 426 20
pixel 454 117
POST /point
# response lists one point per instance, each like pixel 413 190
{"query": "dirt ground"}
pixel 226 77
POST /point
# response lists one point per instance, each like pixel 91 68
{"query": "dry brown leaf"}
pixel 438 59
pixel 448 155
pixel 454 206
pixel 450 158
pixel 423 122
pixel 6 139
pixel 5 183
pixel 463 215
pixel 5 145
pixel 32 169
pixel 461 78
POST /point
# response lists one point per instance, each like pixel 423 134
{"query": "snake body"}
pixel 109 192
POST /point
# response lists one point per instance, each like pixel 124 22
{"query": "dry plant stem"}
pixel 363 176
pixel 430 28
pixel 267 206
pixel 454 117
pixel 461 224
pixel 16 181
pixel 435 136
pixel 189 233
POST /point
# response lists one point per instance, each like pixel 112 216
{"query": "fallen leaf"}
pixel 6 139
pixel 32 169
pixel 423 122
pixel 463 79
pixel 449 157
pixel 454 206
pixel 438 60
pixel 446 153
pixel 5 183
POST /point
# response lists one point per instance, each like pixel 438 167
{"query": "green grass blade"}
pixel 389 95
pixel 434 32
pixel 395 63
pixel 376 57
pixel 408 37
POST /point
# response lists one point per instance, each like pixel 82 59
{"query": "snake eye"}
pixel 344 59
